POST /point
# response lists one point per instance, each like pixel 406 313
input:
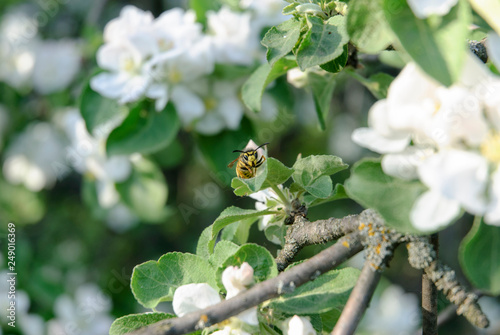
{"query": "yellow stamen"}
pixel 210 103
pixel 490 148
pixel 175 76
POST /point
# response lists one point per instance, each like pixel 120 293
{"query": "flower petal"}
pixel 193 297
pixel 459 175
pixel 371 139
pixel 432 211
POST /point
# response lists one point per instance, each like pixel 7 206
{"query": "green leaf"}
pixel 228 216
pixel 323 42
pixel 259 258
pixel 329 291
pixel 222 251
pixel 436 44
pixel 201 7
pixel 322 87
pixel 392 197
pixel 98 111
pixel 367 26
pixel 338 63
pixel 129 323
pixel 277 172
pixel 479 257
pixel 253 88
pixel 378 83
pixel 321 187
pixel 145 191
pixel 338 193
pixel 248 186
pixel 281 39
pixel 154 282
pixel 237 232
pixel 203 242
pixel 312 173
pixel 144 131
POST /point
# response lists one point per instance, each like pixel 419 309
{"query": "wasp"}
pixel 248 162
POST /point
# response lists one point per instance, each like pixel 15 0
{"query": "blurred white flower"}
pixel 298 325
pixel 449 138
pixel 232 37
pixel 30 156
pixel 394 312
pixel 425 8
pixel 18 43
pixel 88 155
pixel 120 218
pixel 193 297
pixel 174 72
pixel 222 107
pixel 131 21
pixel 88 313
pixel 56 65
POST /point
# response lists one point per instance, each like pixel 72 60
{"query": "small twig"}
pixel 285 282
pixel 358 301
pixel 422 256
pixel 429 297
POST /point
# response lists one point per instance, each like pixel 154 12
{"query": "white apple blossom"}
pixel 269 199
pixel 447 137
pixel 56 65
pixel 425 8
pixel 222 107
pixel 88 155
pixel 192 297
pixel 298 325
pixel 29 157
pixel 232 37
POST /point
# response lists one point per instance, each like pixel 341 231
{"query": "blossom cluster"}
pixel 446 137
pixel 170 59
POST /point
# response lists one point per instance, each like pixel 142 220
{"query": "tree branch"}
pixel 285 282
pixel 358 301
pixel 429 297
pixel 303 232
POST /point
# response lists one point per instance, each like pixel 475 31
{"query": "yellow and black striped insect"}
pixel 248 162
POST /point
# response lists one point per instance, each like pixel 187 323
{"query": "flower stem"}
pixel 282 196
